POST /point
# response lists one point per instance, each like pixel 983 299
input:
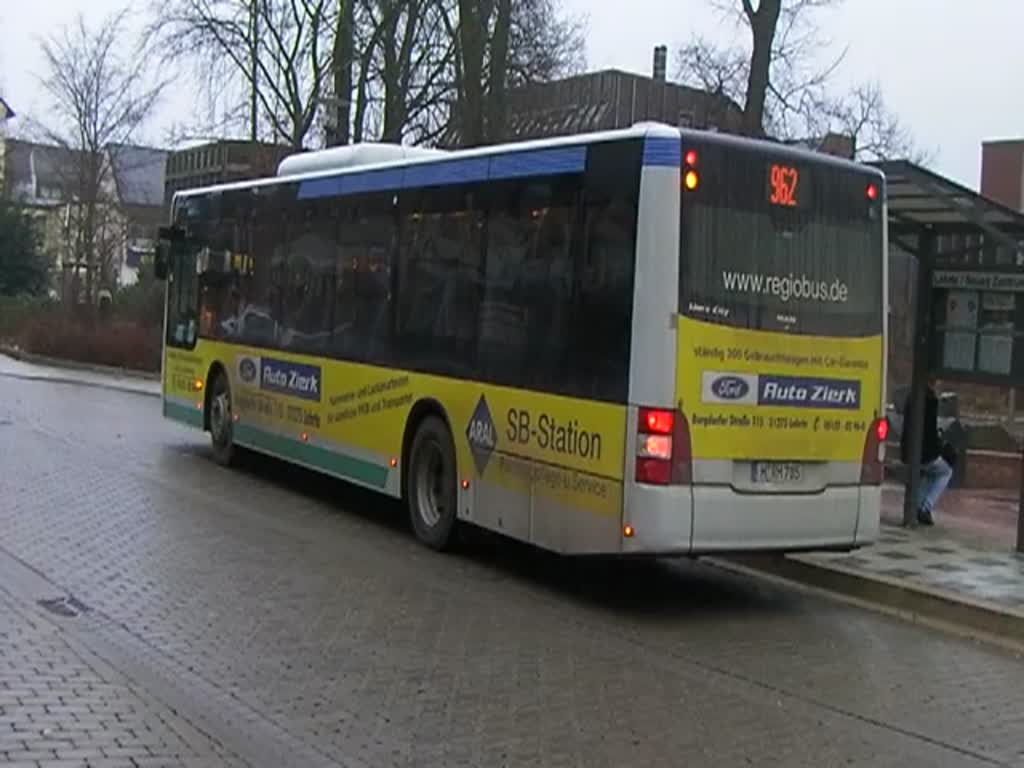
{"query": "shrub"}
pixel 61 334
pixel 17 311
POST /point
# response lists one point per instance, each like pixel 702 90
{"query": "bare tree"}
pixel 544 43
pixel 502 44
pixel 783 87
pixel 404 67
pixel 342 65
pixel 280 51
pixel 100 98
pixel 877 132
pixel 776 76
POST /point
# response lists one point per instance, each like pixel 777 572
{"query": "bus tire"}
pixel 432 485
pixel 222 437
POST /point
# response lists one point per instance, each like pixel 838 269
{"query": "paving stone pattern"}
pixel 934 560
pixel 270 608
pixel 59 708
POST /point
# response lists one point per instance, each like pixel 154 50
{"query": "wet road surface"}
pixel 286 619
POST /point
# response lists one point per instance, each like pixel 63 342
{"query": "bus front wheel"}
pixel 431 489
pixel 221 420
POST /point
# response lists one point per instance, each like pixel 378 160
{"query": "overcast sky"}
pixel 951 76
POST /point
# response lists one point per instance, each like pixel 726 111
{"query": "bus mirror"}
pixel 169 245
pixel 161 262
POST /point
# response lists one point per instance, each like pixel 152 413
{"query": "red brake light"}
pixel 662 447
pixel 656 422
pixel 872 191
pixel 691 157
pixel 872 468
pixel 653 471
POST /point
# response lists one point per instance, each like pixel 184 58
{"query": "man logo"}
pixel 730 388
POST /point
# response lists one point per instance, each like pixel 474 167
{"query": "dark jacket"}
pixel 931 444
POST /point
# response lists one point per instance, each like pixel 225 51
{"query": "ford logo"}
pixel 247 370
pixel 729 387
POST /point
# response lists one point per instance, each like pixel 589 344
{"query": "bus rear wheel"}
pixel 222 436
pixel 432 488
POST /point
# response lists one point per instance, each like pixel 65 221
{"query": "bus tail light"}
pixel 873 461
pixel 662 447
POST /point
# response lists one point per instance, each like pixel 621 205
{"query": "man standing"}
pixel 935 471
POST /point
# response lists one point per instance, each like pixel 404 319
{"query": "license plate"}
pixel 776 472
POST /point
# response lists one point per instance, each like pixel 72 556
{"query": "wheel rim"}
pixel 220 417
pixel 430 480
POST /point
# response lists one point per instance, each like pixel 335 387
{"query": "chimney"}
pixel 660 62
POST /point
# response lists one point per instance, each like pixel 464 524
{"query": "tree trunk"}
pixel 344 53
pixel 498 77
pixel 254 108
pixel 392 75
pixel 763 22
pixel 472 38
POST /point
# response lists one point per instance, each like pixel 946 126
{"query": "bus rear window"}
pixel 770 243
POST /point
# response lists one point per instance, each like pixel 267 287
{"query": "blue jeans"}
pixel 935 476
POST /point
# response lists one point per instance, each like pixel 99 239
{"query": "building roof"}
pixel 139 173
pixel 34 172
pixel 44 172
pixel 920 199
pixel 606 100
pixel 6 113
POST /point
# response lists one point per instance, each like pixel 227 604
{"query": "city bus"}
pixel 646 341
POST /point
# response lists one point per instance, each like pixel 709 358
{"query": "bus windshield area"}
pixel 781 245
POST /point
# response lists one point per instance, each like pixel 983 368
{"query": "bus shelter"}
pixel 968 322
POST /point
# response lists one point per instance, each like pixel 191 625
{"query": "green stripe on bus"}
pixel 191 416
pixel 314 456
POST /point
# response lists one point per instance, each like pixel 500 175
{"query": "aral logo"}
pixel 482 435
pixel 730 388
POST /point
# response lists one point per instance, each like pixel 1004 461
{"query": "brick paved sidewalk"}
pixel 985 518
pixel 964 568
pixel 59 706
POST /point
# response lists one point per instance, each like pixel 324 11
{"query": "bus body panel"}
pixel 655 291
pixel 558 470
pixel 661 517
pixel 869 515
pixel 726 521
pixel 553 475
pixel 781 346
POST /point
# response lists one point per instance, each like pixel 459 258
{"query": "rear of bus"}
pixel 775 438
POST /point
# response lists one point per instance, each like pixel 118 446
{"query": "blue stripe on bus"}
pixel 513 165
pixel 542 162
pixel 663 151
pixel 446 172
pixel 371 181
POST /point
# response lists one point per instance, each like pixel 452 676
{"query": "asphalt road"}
pixel 274 617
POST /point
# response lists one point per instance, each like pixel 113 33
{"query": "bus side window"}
pixel 309 281
pixel 439 274
pixel 526 313
pixel 603 321
pixel 362 304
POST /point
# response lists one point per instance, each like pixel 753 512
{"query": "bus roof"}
pixel 407 160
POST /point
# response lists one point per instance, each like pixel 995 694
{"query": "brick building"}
pixel 607 100
pixel 1002 172
pixel 221 161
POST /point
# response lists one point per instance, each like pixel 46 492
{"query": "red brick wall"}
pixel 987 470
pixel 1002 166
